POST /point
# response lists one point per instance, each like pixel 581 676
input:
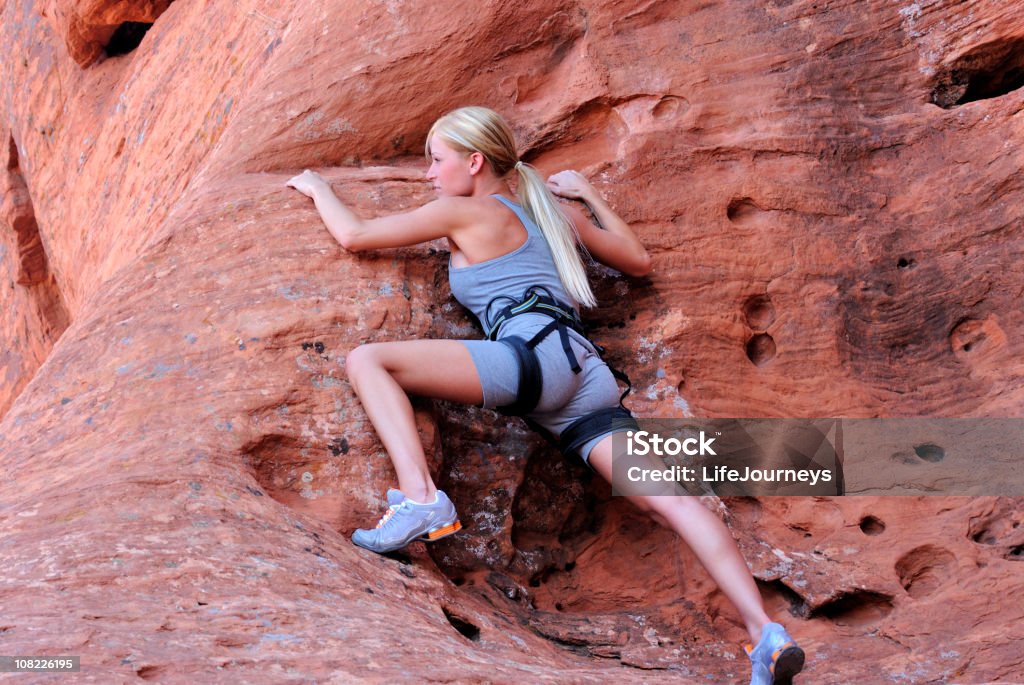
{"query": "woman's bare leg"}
pixel 707 536
pixel 383 373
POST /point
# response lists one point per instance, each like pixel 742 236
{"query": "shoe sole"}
pixel 443 532
pixel 431 536
pixel 787 664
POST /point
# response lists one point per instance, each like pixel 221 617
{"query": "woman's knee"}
pixel 362 359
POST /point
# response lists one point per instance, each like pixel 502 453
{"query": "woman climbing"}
pixel 514 263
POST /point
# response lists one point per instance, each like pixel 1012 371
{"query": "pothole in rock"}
pixel 856 608
pixel 466 628
pixel 926 452
pixel 277 466
pixel 923 569
pixel 987 71
pixel 976 340
pixel 669 106
pixel 126 38
pixel 151 672
pixel 743 211
pixel 871 525
pixel 1003 527
pixel 930 453
pixel 745 509
pixel 759 312
pixel 761 349
pixel 797 605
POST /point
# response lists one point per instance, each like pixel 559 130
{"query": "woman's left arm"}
pixel 439 219
pixel 614 243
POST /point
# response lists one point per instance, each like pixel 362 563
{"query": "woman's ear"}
pixel 476 162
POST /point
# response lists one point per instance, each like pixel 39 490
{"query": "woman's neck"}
pixel 491 186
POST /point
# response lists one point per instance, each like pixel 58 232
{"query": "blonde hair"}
pixel 479 129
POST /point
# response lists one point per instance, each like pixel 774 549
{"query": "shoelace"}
pixel 387 517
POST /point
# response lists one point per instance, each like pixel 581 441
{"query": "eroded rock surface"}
pixel 831 192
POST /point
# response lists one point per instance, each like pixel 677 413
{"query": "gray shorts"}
pixel 565 396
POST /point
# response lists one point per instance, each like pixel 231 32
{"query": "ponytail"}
pixel 558 230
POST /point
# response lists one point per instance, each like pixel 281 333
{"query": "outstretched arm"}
pixel 616 245
pixel 439 219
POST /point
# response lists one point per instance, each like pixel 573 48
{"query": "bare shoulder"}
pixel 464 210
pixel 476 203
pixel 484 212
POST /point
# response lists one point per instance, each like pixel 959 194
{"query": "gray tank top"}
pixel 511 274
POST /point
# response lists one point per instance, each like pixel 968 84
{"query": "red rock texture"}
pixel 832 196
pixel 94 28
pixel 37 315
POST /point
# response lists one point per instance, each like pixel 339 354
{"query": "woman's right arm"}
pixel 442 218
pixel 614 243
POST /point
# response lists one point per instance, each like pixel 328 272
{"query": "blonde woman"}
pixel 515 265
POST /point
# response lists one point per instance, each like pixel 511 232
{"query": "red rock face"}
pixel 831 193
pixel 36 313
pixel 97 28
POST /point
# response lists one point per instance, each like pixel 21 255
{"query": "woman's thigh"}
pixel 650 497
pixel 442 369
pixel 498 370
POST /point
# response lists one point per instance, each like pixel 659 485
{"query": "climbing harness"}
pixel 538 299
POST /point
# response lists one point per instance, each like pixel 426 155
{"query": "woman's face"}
pixel 450 170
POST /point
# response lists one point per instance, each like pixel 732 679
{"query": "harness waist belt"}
pixel 533 301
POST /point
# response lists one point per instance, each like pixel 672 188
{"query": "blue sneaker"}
pixel 776 659
pixel 406 521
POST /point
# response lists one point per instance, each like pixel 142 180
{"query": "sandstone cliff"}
pixel 831 192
